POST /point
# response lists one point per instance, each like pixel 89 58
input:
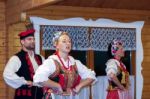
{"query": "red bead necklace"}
pixel 62 61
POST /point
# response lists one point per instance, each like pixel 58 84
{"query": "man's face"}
pixel 28 43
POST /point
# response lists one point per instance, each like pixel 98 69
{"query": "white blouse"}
pixel 112 66
pixel 48 67
pixel 12 66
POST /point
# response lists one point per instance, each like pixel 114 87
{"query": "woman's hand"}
pixel 122 88
pixel 57 90
pixel 77 89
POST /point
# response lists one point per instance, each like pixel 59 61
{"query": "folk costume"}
pixel 20 69
pixel 67 73
pixel 119 69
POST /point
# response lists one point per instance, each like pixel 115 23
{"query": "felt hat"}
pixel 26 33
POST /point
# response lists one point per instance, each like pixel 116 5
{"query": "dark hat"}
pixel 26 33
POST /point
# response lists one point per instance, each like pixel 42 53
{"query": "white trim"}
pixel 37 21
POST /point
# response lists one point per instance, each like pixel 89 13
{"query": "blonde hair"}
pixel 57 35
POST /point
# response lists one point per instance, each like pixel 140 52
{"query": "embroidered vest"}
pixel 66 78
pixel 123 77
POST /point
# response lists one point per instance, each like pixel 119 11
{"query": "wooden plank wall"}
pixel 55 12
pixel 13 47
pixel 2 48
pixel 146 62
pixel 16 7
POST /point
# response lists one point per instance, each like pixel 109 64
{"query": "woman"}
pixel 117 73
pixel 64 75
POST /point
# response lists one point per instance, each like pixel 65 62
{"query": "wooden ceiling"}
pixel 16 7
pixel 114 4
pixel 3 0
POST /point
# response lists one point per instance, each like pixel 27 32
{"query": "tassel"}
pixel 127 80
pixel 29 93
pixel 123 80
pixel 18 92
pixel 24 92
pixel 109 87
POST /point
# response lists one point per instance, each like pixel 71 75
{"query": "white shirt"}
pixel 112 66
pixel 48 67
pixel 13 65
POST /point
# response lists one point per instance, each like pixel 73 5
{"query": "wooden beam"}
pixel 60 12
pixel 39 3
pixel 14 8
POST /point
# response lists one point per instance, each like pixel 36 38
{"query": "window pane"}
pixel 48 53
pixel 101 57
pixel 79 55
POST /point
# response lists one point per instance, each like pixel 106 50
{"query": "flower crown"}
pixel 57 34
pixel 115 46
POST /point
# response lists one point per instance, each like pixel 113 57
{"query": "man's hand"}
pixel 29 83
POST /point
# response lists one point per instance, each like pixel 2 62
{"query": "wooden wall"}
pixel 57 12
pixel 16 7
pixel 146 62
pixel 2 49
pixel 13 47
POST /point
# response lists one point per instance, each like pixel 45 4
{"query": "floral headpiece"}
pixel 115 46
pixel 57 34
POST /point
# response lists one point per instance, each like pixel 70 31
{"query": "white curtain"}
pixel 84 94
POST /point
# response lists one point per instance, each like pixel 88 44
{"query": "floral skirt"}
pixel 117 94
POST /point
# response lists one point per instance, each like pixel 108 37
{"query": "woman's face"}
pixel 64 44
pixel 120 52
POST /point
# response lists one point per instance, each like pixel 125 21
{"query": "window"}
pixel 101 57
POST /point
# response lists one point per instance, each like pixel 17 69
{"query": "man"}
pixel 21 67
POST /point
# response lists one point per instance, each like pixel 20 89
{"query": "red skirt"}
pixel 113 94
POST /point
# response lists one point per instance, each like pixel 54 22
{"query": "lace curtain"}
pixel 85 38
pixel 79 36
pixel 101 37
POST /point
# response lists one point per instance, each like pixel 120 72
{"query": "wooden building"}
pixel 15 13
